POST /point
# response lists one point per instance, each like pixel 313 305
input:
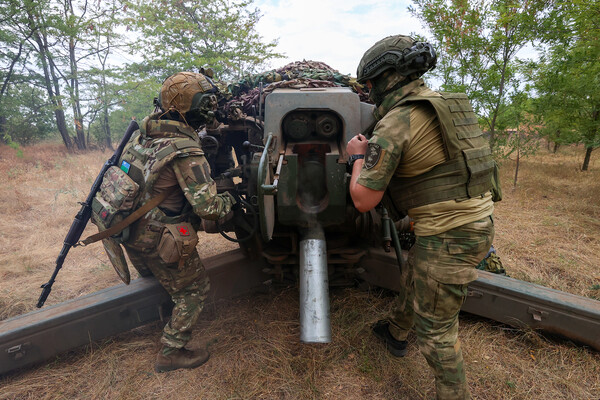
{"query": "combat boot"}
pixel 179 358
pixel 397 348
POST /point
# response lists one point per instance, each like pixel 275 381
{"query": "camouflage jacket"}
pixel 166 155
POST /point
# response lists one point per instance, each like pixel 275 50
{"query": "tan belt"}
pixel 131 218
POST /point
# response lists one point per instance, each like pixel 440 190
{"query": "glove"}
pixel 236 202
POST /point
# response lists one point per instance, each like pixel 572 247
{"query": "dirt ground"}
pixel 547 232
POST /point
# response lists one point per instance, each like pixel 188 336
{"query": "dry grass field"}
pixel 547 232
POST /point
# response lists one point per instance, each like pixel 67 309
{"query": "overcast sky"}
pixel 332 31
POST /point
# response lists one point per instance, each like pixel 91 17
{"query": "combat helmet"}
pixel 191 95
pixel 401 53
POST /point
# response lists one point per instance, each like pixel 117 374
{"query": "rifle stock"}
pixel 83 216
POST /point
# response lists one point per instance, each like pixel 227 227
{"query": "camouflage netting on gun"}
pixel 245 93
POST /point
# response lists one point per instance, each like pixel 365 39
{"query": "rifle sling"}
pixel 131 218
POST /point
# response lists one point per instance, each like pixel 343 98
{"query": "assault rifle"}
pixel 83 216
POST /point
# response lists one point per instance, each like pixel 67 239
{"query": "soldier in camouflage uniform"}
pixel 165 156
pixel 426 158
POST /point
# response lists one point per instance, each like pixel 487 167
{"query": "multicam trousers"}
pixel 188 287
pixel 436 280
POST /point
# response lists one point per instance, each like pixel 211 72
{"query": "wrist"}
pixel 353 158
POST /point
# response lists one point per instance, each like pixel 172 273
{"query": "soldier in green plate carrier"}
pixel 426 158
pixel 163 170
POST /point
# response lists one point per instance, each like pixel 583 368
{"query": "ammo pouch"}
pixel 177 243
pixel 115 200
pixel 480 165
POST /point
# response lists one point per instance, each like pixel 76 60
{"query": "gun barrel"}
pixel 315 326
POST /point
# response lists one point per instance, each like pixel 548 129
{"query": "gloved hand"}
pixel 236 201
pixel 245 219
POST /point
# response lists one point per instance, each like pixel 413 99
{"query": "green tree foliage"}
pixel 74 55
pixel 83 35
pixel 519 131
pixel 104 80
pixel 32 22
pixel 180 35
pixel 30 115
pixel 567 78
pixel 478 42
pixel 131 99
pixel 14 56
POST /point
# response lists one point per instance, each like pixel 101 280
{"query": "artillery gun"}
pixel 307 231
pixel 287 163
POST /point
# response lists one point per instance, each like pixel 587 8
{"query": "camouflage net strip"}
pixel 245 93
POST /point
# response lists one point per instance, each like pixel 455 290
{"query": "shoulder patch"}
pixel 373 155
pixel 200 174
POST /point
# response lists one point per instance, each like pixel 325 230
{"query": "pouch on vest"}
pixel 480 165
pixel 114 201
pixel 177 243
pixel 496 189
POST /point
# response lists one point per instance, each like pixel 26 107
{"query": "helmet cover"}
pixel 184 91
pixel 398 52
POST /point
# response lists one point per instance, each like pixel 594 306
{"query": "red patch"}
pixel 104 214
pixel 183 231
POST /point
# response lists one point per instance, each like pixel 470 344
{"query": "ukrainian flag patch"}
pixel 125 166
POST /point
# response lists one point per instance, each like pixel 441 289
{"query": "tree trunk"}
pixel 496 110
pixel 53 92
pixel 80 134
pixel 107 129
pixel 592 134
pixel 74 91
pixel 59 111
pixel 586 159
pixel 7 79
pixel 517 168
pixel 2 124
pixel 9 73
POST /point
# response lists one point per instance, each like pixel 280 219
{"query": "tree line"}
pixel 84 67
pixel 531 67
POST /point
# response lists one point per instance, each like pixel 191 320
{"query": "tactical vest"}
pixel 150 149
pixel 469 166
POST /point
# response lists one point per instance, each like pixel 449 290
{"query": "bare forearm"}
pixel 354 191
pixel 364 198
